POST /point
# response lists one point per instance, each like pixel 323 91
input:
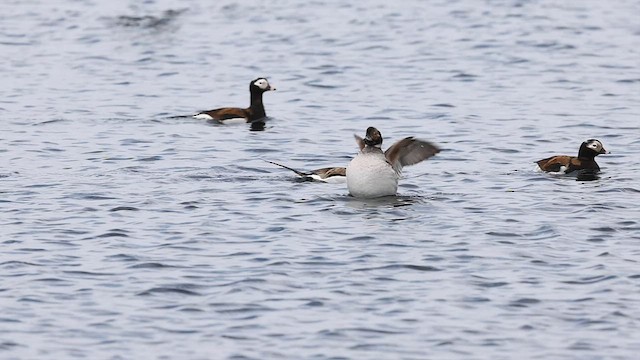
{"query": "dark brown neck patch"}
pixel 586 152
pixel 256 108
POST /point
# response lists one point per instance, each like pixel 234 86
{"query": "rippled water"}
pixel 130 234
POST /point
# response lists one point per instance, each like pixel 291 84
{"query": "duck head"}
pixel 260 85
pixel 373 137
pixel 591 148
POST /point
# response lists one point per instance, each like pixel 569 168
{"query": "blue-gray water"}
pixel 128 234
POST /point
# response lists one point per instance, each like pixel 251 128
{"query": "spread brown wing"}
pixel 359 141
pixel 325 173
pixel 409 151
pixel 555 163
pixel 227 113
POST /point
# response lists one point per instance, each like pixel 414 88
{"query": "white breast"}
pixel 369 175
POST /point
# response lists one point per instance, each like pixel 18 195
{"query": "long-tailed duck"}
pixel 589 149
pixel 373 173
pixel 254 112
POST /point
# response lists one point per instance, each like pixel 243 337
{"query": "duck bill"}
pixel 604 151
pixel 271 88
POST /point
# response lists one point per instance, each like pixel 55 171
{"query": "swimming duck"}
pixel 254 112
pixel 589 149
pixel 373 173
pixel 328 174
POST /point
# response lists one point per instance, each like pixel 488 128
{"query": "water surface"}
pixel 128 233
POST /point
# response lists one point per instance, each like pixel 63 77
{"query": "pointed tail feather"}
pixel 180 117
pixel 300 173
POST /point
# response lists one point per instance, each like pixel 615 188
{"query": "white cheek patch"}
pixel 596 145
pixel 262 84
